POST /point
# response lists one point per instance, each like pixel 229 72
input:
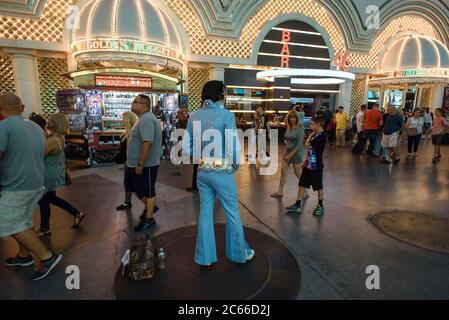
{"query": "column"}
pixel 382 92
pixel 26 78
pixel 437 96
pixel 344 96
pixel 366 90
pixel 217 72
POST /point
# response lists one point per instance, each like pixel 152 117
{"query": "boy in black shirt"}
pixel 312 174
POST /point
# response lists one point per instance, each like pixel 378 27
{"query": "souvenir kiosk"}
pixel 136 50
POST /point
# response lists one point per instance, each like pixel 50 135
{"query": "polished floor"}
pixel 333 252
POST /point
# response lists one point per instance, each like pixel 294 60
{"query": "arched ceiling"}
pixel 227 30
pixel 227 18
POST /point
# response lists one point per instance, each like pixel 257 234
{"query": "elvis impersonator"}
pixel 216 175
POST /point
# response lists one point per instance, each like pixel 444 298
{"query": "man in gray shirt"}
pixel 143 154
pixel 22 151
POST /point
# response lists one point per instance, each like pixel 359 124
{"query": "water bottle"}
pixel 161 256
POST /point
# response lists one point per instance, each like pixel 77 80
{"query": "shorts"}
pixel 390 141
pixel 144 186
pixel 17 210
pixel 437 140
pixel 312 178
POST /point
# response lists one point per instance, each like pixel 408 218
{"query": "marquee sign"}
pixel 294 44
pixel 126 46
pixel 426 72
pixel 123 82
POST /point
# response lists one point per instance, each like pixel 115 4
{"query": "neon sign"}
pixel 127 46
pixel 342 61
pixel 426 72
pixel 285 52
pixel 124 82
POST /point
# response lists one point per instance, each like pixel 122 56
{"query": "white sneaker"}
pixel 250 256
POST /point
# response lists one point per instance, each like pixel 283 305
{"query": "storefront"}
pixel 297 48
pixel 116 60
pixel 414 72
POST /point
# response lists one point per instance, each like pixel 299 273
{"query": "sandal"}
pixel 277 195
pixel 78 219
pixel 43 232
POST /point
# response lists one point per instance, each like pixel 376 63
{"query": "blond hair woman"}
pixel 55 171
pixel 294 139
pixel 129 119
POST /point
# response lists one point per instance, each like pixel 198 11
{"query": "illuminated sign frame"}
pixel 123 81
pixel 126 46
pixel 425 72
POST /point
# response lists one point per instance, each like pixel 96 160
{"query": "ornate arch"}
pixel 201 45
pixel 415 24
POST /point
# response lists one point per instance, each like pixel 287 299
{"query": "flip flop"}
pixel 80 217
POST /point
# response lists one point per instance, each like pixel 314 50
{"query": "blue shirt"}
pixel 393 123
pixel 22 143
pixel 212 116
pixel 147 129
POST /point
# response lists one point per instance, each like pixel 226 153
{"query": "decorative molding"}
pixel 225 18
pixel 22 8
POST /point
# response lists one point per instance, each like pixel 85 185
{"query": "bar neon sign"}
pixel 124 82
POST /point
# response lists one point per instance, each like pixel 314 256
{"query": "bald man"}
pixel 22 156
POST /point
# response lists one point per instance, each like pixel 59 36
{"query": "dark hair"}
pixel 363 107
pixel 319 120
pixel 370 107
pixel 146 98
pixel 341 107
pixel 213 90
pixel 38 119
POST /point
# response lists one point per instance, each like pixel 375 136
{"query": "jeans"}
pixel 371 136
pixel 44 205
pixel 413 143
pixel 223 185
pixel 378 145
pixel 361 144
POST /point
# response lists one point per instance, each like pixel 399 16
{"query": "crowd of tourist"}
pixel 33 169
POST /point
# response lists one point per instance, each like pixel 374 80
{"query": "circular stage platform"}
pixel 272 274
pixel 420 230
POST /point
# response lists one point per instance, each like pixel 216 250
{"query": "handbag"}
pixel 412 132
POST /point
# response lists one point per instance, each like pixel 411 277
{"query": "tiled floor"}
pixel 333 252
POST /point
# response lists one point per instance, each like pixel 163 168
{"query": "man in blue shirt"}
pixel 392 126
pixel 22 151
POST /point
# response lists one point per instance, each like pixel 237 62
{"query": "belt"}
pixel 216 165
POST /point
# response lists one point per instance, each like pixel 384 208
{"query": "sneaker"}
pixel 45 267
pixel 250 256
pixel 145 224
pixel 319 210
pixel 294 209
pixel 144 213
pixel 18 261
pixel 124 206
